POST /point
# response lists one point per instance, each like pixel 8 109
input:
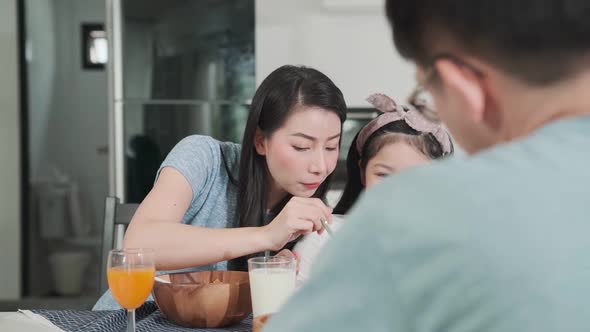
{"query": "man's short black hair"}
pixel 538 41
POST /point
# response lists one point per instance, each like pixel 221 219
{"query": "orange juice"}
pixel 131 286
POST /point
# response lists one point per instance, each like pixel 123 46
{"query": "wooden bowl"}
pixel 205 298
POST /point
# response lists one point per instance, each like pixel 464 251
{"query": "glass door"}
pixel 179 68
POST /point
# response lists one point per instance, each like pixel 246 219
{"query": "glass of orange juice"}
pixel 131 273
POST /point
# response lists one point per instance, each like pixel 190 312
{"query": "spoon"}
pixel 326 226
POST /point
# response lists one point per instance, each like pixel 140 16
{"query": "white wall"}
pixel 348 40
pixel 9 154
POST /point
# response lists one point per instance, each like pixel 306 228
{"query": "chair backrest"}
pixel 117 217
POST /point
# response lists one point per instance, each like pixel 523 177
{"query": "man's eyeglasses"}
pixel 421 99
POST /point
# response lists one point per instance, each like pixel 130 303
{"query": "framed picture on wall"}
pixel 95 51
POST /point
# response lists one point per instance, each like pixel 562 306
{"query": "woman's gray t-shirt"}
pixel 211 169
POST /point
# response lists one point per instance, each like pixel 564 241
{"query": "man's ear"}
pixel 464 86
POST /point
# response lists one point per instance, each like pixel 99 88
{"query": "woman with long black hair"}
pixel 216 203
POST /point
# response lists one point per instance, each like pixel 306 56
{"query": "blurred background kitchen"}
pixel 95 93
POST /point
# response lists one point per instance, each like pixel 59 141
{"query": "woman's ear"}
pixel 259 142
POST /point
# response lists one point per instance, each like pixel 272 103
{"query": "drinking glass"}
pixel 272 281
pixel 130 273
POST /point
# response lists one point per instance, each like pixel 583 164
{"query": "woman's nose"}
pixel 318 164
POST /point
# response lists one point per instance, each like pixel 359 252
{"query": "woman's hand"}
pixel 300 216
pixel 289 253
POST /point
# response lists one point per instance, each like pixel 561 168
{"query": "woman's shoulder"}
pixel 204 148
pixel 200 159
pixel 230 154
pixel 196 142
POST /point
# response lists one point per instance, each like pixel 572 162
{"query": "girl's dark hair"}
pixel 278 94
pixel 389 133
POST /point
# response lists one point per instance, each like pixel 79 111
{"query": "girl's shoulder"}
pixel 309 247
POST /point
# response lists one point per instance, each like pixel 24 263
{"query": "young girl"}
pixel 214 204
pixel 397 139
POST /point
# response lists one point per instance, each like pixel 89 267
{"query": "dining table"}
pixel 148 318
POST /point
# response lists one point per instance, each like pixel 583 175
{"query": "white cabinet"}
pixel 348 40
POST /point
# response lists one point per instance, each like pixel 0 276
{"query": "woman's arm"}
pixel 158 224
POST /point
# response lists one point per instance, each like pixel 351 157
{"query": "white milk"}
pixel 270 288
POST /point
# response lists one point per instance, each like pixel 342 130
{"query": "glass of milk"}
pixel 272 281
